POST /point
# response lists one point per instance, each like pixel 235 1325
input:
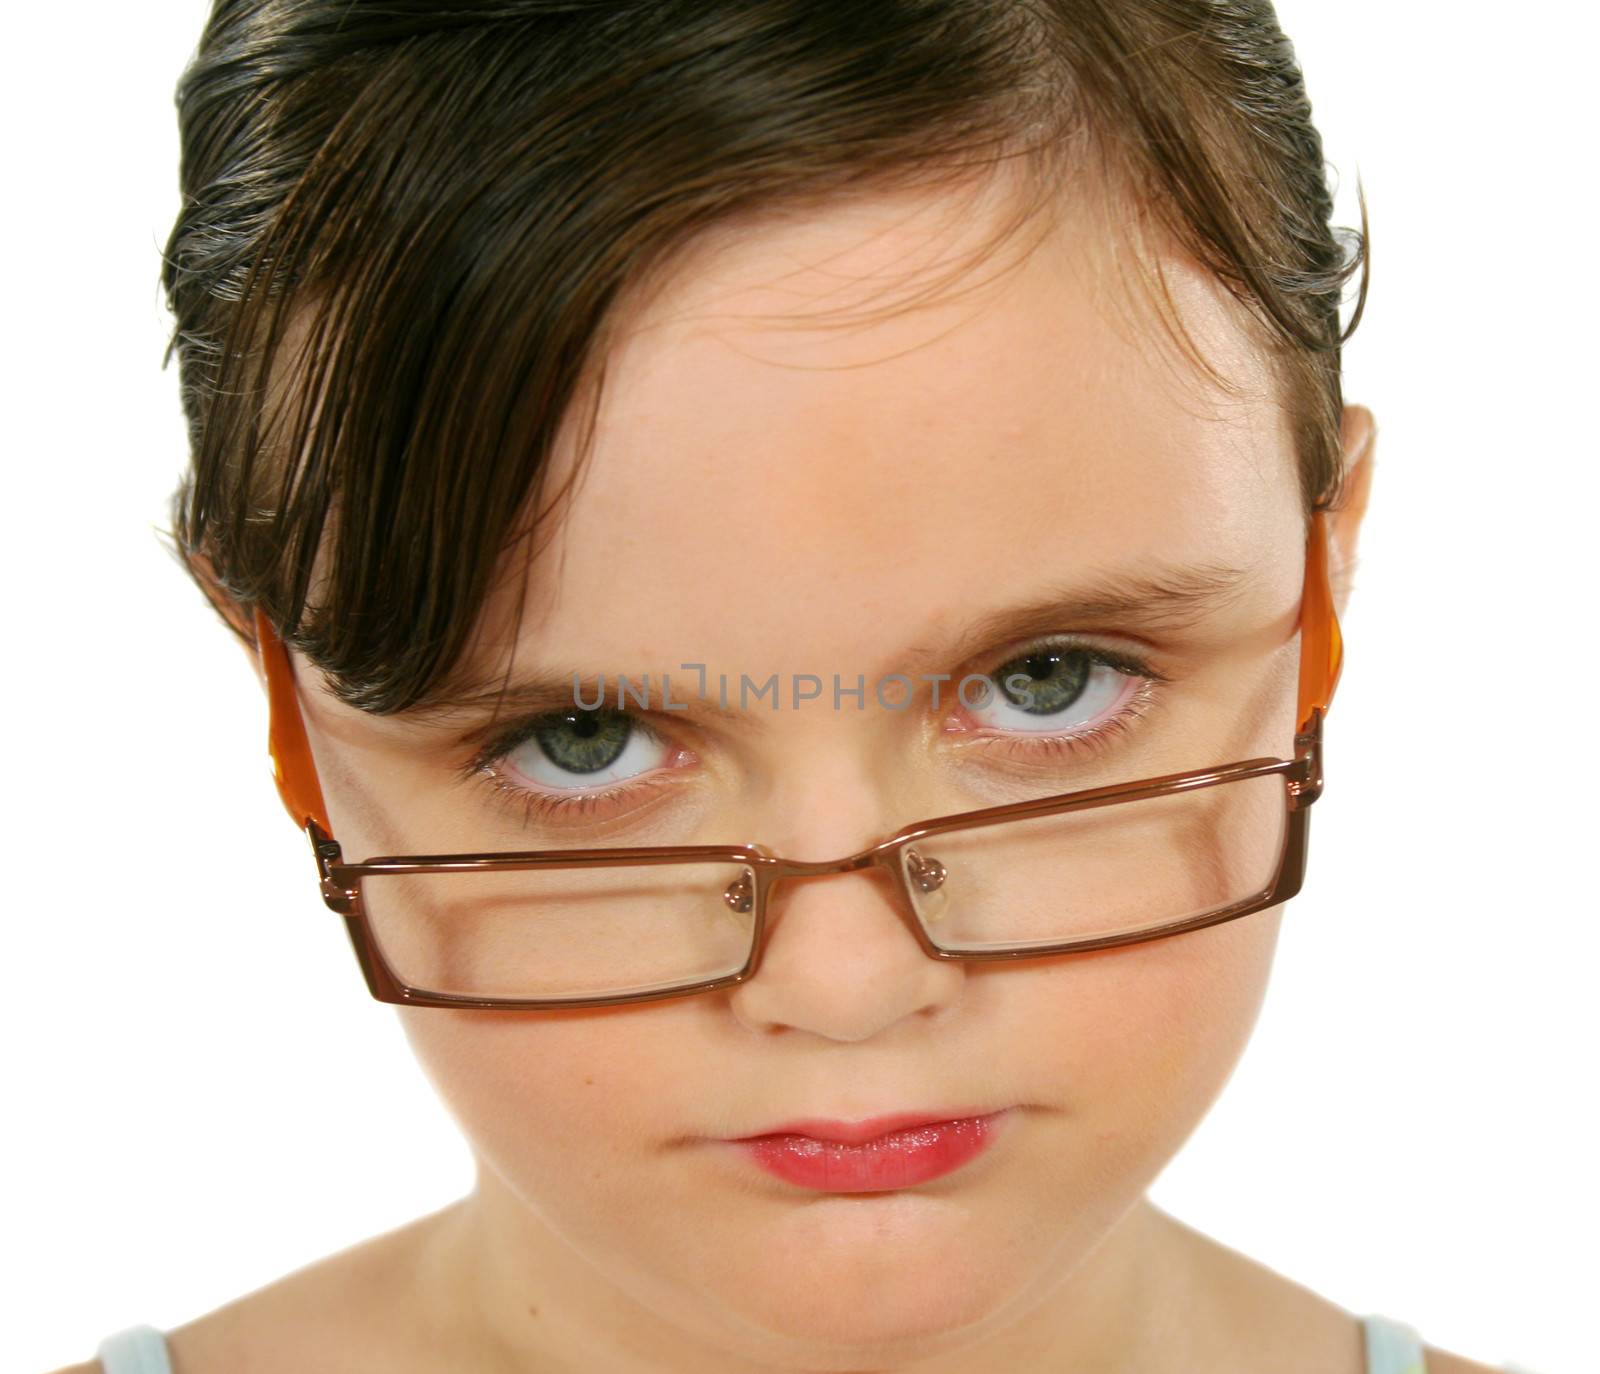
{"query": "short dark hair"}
pixel 452 200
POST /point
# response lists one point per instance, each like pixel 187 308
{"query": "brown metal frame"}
pixel 1321 659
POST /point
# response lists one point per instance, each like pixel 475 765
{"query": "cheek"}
pixel 550 1097
pixel 1133 1045
pixel 1143 1039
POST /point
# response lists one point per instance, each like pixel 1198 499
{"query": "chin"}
pixel 869 1279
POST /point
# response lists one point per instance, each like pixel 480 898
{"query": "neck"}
pixel 513 1295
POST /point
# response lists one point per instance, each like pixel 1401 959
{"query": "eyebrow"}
pixel 1167 599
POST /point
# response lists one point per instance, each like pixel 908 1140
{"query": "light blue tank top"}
pixel 1392 1348
pixel 137 1350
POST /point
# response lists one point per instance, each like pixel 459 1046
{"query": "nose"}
pixel 841 957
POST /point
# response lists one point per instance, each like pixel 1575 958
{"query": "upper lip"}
pixel 869 1128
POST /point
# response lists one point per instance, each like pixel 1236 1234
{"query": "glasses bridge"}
pixel 925 873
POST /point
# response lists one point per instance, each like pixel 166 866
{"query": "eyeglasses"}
pixel 1090 869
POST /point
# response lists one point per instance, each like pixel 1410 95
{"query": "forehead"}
pixel 821 439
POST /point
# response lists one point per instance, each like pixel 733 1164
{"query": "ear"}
pixel 1357 433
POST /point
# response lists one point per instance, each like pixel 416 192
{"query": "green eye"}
pixel 579 741
pixel 1055 679
pixel 1060 687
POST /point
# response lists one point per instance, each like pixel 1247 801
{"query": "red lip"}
pixel 878 1160
pixel 859 1132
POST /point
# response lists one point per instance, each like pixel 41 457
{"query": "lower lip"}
pixel 898 1159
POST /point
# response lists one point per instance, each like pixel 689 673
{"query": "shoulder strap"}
pixel 1392 1346
pixel 136 1350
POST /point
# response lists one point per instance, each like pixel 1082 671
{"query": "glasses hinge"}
pixel 1308 745
pixel 326 849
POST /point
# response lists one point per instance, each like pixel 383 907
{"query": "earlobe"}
pixel 1358 433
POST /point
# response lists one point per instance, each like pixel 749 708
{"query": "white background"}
pixel 202 1096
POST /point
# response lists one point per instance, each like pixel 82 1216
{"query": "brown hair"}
pixel 453 200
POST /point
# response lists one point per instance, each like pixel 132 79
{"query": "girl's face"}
pixel 774 492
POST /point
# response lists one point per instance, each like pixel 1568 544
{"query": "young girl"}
pixel 795 551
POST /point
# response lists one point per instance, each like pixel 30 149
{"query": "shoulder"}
pixel 1289 1325
pixel 353 1310
pixel 1443 1362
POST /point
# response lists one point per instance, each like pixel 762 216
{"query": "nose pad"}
pixel 740 894
pixel 926 875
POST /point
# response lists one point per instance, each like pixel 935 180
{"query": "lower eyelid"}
pixel 597 804
pixel 1134 706
pixel 532 801
pixel 676 758
pixel 1144 686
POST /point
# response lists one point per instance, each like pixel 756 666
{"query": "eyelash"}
pixel 530 806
